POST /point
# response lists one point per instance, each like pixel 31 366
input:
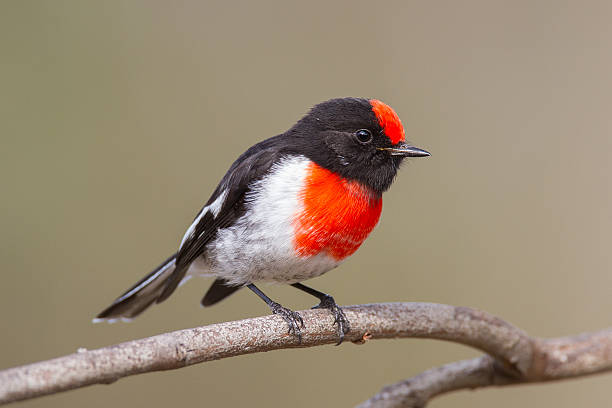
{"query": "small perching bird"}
pixel 290 208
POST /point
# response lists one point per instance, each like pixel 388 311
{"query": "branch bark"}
pixel 514 356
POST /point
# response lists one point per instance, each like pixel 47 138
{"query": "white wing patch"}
pixel 214 208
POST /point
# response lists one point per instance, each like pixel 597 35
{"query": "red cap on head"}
pixel 388 120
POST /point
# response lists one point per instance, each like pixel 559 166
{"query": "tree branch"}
pixel 521 358
pixel 553 359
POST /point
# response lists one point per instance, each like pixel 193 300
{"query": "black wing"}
pixel 250 166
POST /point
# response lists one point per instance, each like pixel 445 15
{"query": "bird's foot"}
pixel 293 319
pixel 339 317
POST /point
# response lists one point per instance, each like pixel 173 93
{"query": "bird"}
pixel 290 208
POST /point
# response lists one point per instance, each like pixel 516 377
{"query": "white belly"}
pixel 260 245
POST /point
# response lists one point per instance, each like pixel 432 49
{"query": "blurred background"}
pixel 118 118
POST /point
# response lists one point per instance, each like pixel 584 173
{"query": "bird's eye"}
pixel 364 136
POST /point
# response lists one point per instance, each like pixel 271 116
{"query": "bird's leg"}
pixel 328 302
pixel 293 319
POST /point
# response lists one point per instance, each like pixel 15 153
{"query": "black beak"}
pixel 404 149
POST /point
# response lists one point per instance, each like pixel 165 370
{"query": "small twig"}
pixel 417 391
pixel 520 356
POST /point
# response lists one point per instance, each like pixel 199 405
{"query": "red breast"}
pixel 336 215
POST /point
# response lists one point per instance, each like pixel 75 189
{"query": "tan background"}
pixel 118 118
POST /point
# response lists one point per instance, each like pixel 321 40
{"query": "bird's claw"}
pixel 339 317
pixel 293 319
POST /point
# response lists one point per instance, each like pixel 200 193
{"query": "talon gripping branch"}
pixel 291 208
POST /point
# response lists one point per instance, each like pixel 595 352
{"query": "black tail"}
pixel 140 296
pixel 217 292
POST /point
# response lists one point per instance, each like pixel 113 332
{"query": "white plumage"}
pixel 259 246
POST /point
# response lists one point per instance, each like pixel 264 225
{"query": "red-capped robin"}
pixel 291 208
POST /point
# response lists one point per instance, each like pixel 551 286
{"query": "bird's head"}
pixel 360 139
